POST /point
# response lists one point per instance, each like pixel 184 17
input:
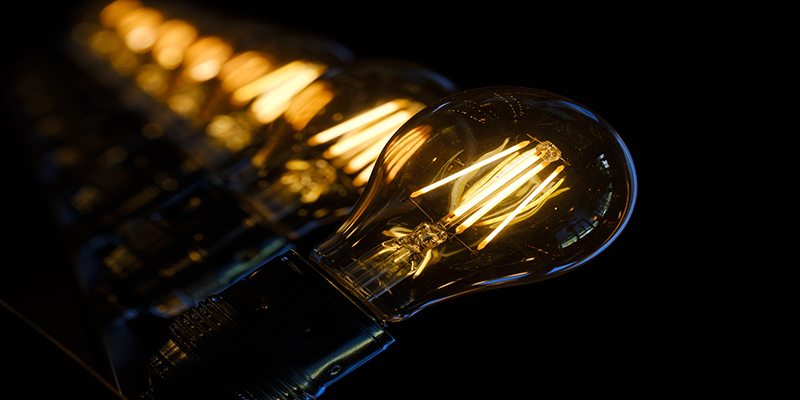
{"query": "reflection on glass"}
pixel 491 187
pixel 213 231
pixel 224 95
pixel 321 151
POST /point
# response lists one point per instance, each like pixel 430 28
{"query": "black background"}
pixel 675 306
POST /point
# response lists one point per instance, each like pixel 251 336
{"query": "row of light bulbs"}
pixel 254 138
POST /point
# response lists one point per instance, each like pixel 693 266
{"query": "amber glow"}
pixel 243 69
pixel 362 138
pixel 104 43
pixel 508 179
pixel 523 205
pixel 357 122
pixel 369 134
pixel 232 131
pixel 273 80
pixel 138 28
pixel 508 186
pixel 470 169
pixel 112 13
pixel 174 37
pixel 511 167
pixel 400 152
pixel 203 59
pixel 303 107
pixel 378 135
pixel 362 178
pixel 307 104
pixel 270 104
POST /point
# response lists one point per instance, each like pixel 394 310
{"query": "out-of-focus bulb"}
pixel 490 188
pixel 319 154
pixel 208 235
pixel 484 189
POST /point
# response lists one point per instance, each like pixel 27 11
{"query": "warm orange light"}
pixel 511 167
pixel 104 43
pixel 174 37
pixel 474 167
pixel 203 59
pixel 359 140
pixel 523 205
pixel 138 28
pixel 112 13
pixel 243 69
pixel 303 107
pixel 357 122
pixel 272 103
pixel 307 104
pixel 152 79
pixel 274 80
pixel 398 154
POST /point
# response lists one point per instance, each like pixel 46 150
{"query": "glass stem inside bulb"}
pixel 393 260
pixel 507 187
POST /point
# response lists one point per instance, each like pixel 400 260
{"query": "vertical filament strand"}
pixel 518 165
pixel 520 207
pixel 500 196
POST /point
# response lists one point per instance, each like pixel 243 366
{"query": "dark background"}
pixel 675 306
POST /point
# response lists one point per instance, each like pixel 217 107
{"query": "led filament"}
pixel 355 144
pixel 321 152
pixel 505 186
pixel 483 189
pixel 488 188
pixel 203 79
pixel 352 148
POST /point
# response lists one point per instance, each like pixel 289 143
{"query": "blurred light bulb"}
pixel 187 86
pixel 207 236
pixel 173 38
pixel 484 189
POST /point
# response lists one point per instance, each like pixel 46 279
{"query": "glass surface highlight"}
pixel 487 188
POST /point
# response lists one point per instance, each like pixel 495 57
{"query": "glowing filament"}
pixel 367 156
pixel 363 177
pixel 500 196
pixel 378 130
pixel 512 172
pixel 400 152
pixel 518 164
pixel 307 104
pixel 357 122
pixel 270 105
pixel 114 12
pixel 522 206
pixel 470 169
pixel 273 80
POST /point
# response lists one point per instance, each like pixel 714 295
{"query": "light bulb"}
pixel 508 187
pixel 185 86
pixel 209 235
pixel 484 189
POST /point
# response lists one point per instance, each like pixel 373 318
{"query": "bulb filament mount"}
pixel 501 188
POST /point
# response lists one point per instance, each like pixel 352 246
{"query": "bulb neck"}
pixel 283 332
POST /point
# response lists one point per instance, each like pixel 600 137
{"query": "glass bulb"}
pixel 317 157
pixel 208 235
pixel 485 189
